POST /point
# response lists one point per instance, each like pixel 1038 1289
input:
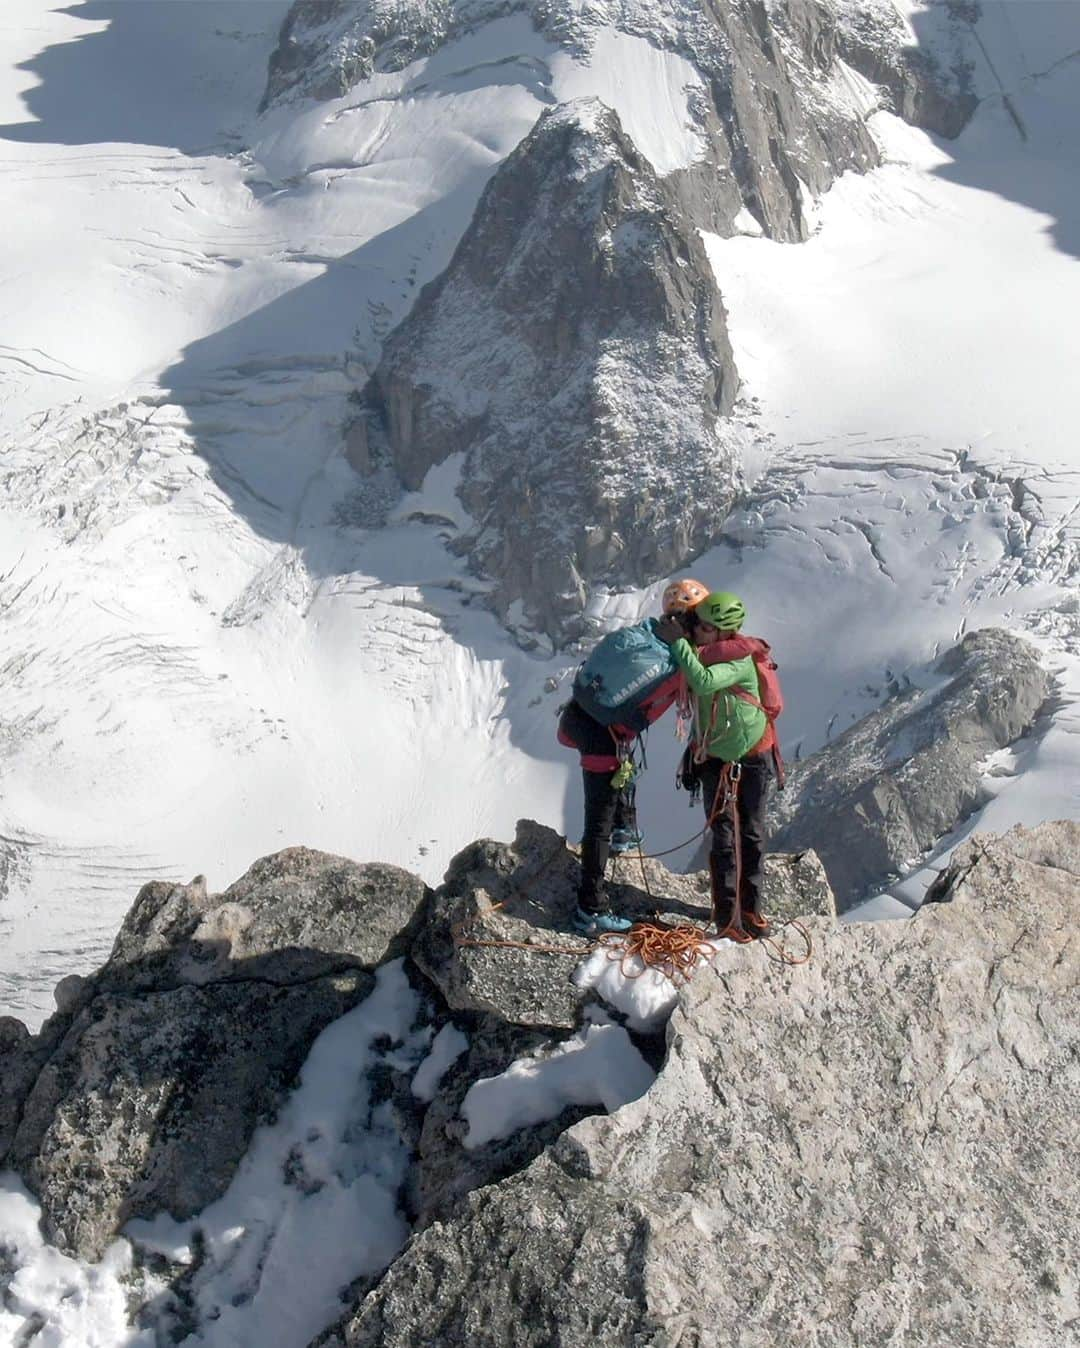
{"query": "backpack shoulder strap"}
pixel 746 696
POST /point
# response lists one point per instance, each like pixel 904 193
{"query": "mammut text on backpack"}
pixel 624 668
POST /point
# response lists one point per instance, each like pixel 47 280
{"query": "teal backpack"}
pixel 622 671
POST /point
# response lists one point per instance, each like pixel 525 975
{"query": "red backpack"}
pixel 770 697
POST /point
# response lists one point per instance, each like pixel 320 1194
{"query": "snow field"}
pixel 200 670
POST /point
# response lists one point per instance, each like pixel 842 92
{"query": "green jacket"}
pixel 738 725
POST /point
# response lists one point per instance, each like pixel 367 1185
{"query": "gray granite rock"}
pixel 876 1147
pixel 514 901
pixel 988 867
pixel 794 885
pixel 575 353
pixel 497 938
pixel 142 1093
pixel 296 914
pixel 150 1101
pixel 872 801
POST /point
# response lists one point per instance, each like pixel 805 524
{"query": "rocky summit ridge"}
pixel 874 1145
pixel 878 1147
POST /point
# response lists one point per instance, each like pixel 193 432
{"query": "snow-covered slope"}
pixel 204 659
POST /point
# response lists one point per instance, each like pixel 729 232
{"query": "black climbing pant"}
pixel 605 807
pixel 751 796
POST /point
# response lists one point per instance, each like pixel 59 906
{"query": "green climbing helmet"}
pixel 723 610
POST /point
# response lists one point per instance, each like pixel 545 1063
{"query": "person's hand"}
pixel 669 629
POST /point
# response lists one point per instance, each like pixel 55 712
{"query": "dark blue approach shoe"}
pixel 625 840
pixel 596 924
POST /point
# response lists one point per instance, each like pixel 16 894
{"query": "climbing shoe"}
pixel 732 933
pixel 596 924
pixel 756 926
pixel 626 840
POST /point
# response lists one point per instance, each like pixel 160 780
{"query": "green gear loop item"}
pixel 624 775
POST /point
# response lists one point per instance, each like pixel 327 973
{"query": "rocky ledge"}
pixel 875 1145
pixel 143 1091
pixel 890 788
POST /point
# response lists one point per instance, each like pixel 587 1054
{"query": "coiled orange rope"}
pixel 674 951
pixel 677 951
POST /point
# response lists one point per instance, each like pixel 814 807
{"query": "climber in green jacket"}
pixel 732 736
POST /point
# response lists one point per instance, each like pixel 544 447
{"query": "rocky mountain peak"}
pixel 574 355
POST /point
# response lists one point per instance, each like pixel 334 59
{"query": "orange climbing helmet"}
pixel 682 595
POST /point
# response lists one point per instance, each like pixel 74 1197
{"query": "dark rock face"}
pixel 878 1143
pixel 575 353
pixel 143 1091
pixel 150 1101
pixel 19 1065
pixel 777 127
pixel 903 777
pixel 928 85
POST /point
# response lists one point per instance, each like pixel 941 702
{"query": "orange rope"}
pixel 783 956
pixel 674 951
